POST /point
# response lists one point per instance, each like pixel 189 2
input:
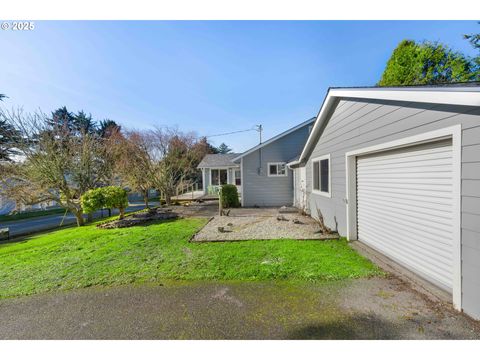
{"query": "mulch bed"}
pixel 140 218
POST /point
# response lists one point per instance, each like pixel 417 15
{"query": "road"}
pixel 32 225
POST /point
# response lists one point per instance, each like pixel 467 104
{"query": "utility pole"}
pixel 259 128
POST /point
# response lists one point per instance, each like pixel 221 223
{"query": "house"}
pixel 399 170
pixel 219 169
pixel 260 173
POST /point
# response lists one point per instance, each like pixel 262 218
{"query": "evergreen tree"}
pixel 474 40
pixel 83 123
pixel 224 149
pixel 62 119
pixel 427 63
pixel 107 127
pixel 9 136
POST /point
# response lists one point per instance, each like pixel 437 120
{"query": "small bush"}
pixel 92 201
pixel 230 196
pixel 106 197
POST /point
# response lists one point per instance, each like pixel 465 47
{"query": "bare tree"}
pixel 133 160
pixel 176 156
pixel 56 164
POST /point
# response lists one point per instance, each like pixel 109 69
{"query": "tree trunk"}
pixel 90 217
pixel 122 213
pixel 109 212
pixel 145 199
pixel 79 217
pixel 168 198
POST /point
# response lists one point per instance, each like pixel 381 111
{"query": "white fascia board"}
pixel 435 96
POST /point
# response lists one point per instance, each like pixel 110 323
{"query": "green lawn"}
pixel 81 257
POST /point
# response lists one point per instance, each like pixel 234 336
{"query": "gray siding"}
pixel 258 188
pixel 358 124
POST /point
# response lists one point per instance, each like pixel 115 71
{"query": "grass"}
pixel 31 214
pixel 81 257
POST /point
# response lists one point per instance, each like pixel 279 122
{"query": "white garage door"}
pixel 404 208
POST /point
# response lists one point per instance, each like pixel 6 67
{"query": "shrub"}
pixel 229 196
pixel 115 197
pixel 92 201
pixel 109 197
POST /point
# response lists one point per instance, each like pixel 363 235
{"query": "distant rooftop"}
pixel 212 160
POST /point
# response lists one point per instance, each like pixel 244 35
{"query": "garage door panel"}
pixel 427 269
pixel 415 199
pixel 400 155
pixel 436 159
pixel 417 216
pixel 413 234
pixel 415 252
pixel 401 203
pixel 404 207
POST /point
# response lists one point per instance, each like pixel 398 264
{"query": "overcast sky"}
pixel 208 77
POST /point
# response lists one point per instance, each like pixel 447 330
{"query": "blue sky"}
pixel 208 77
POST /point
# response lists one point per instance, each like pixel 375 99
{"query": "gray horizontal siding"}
pixel 258 188
pixel 357 124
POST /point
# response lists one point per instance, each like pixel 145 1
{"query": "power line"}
pixel 230 133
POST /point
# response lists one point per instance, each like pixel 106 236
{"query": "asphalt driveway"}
pixel 378 308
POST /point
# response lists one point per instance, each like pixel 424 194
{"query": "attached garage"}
pixel 405 208
pixel 403 178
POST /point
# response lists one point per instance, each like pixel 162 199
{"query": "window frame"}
pixel 235 177
pixel 219 177
pixel 319 191
pixel 277 163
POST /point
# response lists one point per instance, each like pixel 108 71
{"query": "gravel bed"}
pixel 261 228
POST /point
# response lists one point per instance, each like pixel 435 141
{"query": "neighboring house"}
pixel 217 170
pixel 266 179
pixel 261 173
pixel 399 170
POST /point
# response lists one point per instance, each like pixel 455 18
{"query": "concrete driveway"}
pixel 32 225
pixel 379 308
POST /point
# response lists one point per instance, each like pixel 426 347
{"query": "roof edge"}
pixel 452 95
pixel 275 138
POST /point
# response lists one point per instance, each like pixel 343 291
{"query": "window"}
pixel 277 169
pixel 238 178
pixel 219 176
pixel 321 175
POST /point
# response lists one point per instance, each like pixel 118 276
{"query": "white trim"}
pixel 469 97
pixel 453 132
pixel 275 138
pixel 319 192
pixel 277 163
pixel 203 182
pixel 466 95
pixel 217 168
pixel 242 199
pixel 220 167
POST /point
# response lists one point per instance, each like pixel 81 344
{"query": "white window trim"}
pixel 219 168
pixel 453 132
pixel 235 177
pixel 319 192
pixel 277 163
